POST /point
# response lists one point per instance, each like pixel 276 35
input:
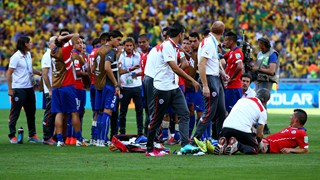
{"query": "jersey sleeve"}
pixel 207 50
pixel 168 53
pixel 263 118
pixel 273 58
pixel 238 56
pixel 110 56
pixel 13 62
pixel 46 61
pixel 66 51
pixel 302 139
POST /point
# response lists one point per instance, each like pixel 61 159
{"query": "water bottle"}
pixel 20 135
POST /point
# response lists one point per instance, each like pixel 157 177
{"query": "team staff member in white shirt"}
pixel 238 126
pixel 48 117
pixel 212 89
pixel 246 90
pixel 167 91
pixel 20 88
pixel 130 85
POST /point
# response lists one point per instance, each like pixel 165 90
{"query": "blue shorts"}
pixel 64 100
pixel 231 97
pixel 81 99
pixel 92 96
pixel 106 99
pixel 195 98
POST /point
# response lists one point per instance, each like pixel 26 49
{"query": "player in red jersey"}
pixel 288 139
pixel 234 58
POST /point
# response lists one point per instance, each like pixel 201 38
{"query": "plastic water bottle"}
pixel 20 135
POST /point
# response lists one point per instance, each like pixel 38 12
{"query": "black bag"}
pixel 262 77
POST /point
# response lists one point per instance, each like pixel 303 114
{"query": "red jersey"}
pixel 233 57
pixel 91 60
pixel 288 138
pixel 143 61
pixel 66 57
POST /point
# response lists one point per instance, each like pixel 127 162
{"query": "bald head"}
pixel 52 42
pixel 217 28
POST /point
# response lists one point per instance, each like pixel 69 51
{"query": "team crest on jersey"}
pixel 293 132
pixel 16 99
pixel 214 94
pixel 238 55
pixel 161 101
pixel 76 62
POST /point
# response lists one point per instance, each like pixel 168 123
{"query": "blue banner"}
pixel 293 99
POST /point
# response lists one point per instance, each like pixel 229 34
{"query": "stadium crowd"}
pixel 160 44
pixel 291 25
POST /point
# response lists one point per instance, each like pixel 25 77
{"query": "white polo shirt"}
pixel 249 93
pixel 164 78
pixel 245 114
pixel 149 69
pixel 126 63
pixel 22 74
pixel 208 48
pixel 46 63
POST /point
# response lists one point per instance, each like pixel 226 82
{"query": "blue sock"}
pixel 191 124
pixel 105 126
pixel 60 137
pixel 79 136
pixel 177 135
pixel 165 133
pixel 99 126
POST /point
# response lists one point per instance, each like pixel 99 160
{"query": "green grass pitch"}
pixel 37 161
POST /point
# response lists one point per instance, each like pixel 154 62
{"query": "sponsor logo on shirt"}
pixel 238 56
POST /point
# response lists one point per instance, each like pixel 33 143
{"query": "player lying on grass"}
pixel 288 139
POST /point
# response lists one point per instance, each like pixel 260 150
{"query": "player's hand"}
pixel 11 92
pixel 285 150
pixel 50 93
pixel 205 91
pixel 135 67
pixel 196 85
pixel 117 91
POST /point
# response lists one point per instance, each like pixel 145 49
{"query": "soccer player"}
pixel 130 85
pixel 212 88
pixel 20 88
pixel 106 82
pixel 96 46
pixel 288 139
pixel 238 128
pixel 194 99
pixel 246 90
pixel 48 117
pixel 64 98
pixel 234 58
pixel 167 91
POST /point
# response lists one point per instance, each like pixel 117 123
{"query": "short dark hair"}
pixel 301 115
pixel 186 38
pixel 247 75
pixel 263 94
pixel 64 30
pixel 206 32
pixel 266 42
pixel 233 36
pixel 104 36
pixel 143 36
pixel 21 44
pixel 195 35
pixel 95 42
pixel 175 30
pixel 114 34
pixel 129 39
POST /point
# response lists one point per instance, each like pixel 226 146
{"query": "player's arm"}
pixel 203 76
pixel 175 68
pixel 294 150
pixel 237 71
pixel 37 72
pixel 45 76
pixel 183 61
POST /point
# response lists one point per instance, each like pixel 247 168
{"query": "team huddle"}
pixel 171 81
